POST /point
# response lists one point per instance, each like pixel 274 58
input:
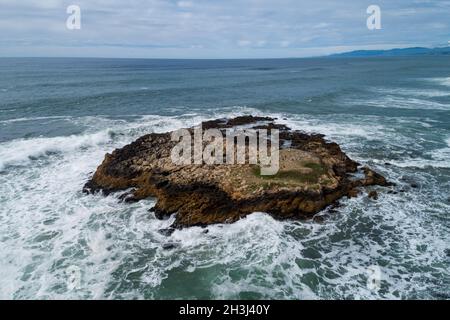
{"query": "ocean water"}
pixel 58 118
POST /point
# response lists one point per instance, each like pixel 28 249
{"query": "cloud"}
pixel 184 4
pixel 220 28
pixel 244 43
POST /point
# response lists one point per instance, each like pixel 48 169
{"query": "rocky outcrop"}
pixel 313 174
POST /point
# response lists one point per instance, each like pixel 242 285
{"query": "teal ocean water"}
pixel 58 118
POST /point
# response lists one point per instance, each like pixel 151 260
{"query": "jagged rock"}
pixel 353 193
pixel 313 174
pixel 373 195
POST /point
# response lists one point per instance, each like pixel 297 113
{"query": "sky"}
pixel 217 28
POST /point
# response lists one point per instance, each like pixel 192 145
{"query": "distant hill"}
pixel 416 51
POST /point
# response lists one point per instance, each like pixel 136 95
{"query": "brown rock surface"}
pixel 313 174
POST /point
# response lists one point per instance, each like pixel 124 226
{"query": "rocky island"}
pixel 313 174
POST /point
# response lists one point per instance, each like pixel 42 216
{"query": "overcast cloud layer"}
pixel 217 28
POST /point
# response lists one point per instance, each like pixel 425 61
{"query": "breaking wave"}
pixel 48 227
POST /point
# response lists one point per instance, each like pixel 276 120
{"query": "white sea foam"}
pixel 441 157
pixel 47 226
pixel 341 129
pixel 419 163
pixel 441 81
pixel 34 119
pixel 399 102
pixel 429 93
pixel 19 152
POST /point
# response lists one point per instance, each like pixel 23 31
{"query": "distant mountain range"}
pixel 416 51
